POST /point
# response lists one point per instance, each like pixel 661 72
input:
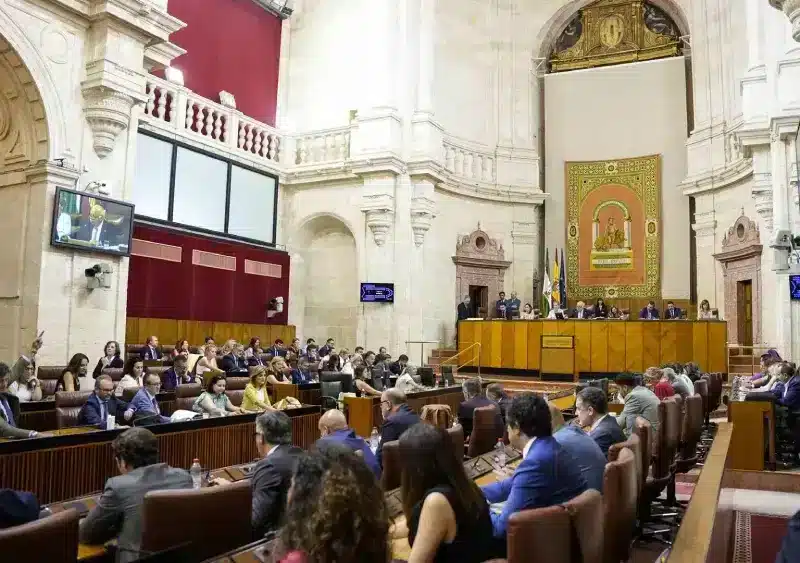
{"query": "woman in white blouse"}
pixel 25 386
pixel 132 376
pixel 705 310
pixel 208 362
pixel 527 312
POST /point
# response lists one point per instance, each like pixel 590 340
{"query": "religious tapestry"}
pixel 613 228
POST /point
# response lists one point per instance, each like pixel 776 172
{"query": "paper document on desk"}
pixel 180 415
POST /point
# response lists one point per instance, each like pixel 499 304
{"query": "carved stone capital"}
pixel 792 10
pixel 762 195
pixel 378 209
pixel 108 113
pixel 704 228
pixel 423 211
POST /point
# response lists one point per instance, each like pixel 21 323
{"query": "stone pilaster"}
pixel 704 228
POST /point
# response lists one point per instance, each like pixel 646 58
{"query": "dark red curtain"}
pixel 232 45
pixel 171 290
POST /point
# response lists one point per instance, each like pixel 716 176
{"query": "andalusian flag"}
pixel 562 282
pixel 547 287
pixel 556 276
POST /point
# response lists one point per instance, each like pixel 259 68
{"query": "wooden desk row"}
pixel 598 346
pixel 77 462
pixel 41 415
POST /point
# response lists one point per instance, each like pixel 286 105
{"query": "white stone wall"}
pixel 81 80
pixel 623 111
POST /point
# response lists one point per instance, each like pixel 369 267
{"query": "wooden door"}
pixel 744 312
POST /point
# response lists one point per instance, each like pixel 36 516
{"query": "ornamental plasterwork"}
pixel 108 113
pixel 615 32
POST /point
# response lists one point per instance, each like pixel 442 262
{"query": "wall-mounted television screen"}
pixel 377 293
pixel 91 223
pixel 794 286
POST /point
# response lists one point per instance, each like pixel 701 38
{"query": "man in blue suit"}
pixel 649 312
pixel 397 417
pixel 144 403
pixel 547 475
pixel 591 460
pixel 333 429
pixel 101 404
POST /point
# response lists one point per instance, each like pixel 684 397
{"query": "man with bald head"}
pixel 581 446
pixel 333 429
pixel 397 417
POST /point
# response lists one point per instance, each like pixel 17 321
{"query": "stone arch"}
pixel 324 292
pixel 550 31
pixel 42 93
pixel 25 186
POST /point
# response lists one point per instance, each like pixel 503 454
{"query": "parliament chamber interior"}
pixel 383 281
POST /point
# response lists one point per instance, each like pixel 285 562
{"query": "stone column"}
pixel 704 228
pixel 379 206
pixel 525 254
pixel 426 133
pixel 422 324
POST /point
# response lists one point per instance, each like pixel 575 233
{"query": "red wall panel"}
pixel 182 290
pixel 231 45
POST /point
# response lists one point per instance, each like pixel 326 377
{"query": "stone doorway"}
pixel 480 263
pixel 741 264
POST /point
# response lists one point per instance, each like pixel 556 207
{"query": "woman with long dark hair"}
pixel 335 513
pixel 70 379
pixel 446 514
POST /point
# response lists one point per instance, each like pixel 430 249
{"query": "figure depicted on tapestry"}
pixel 613 234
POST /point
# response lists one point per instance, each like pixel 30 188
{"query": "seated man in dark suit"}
pixel 591 408
pixel 150 350
pixel 473 398
pixel 649 312
pixel 672 311
pixel 272 475
pixel 333 428
pixel 9 409
pixel 496 394
pixel 177 375
pixel 581 312
pixel 17 508
pixel 119 511
pixel 97 230
pixel 397 417
pixel 101 404
pixel 547 475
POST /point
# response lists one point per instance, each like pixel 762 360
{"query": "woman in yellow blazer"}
pixel 256 398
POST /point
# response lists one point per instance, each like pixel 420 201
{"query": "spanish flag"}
pixel 556 274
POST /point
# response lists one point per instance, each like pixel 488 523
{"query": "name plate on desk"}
pixel 560 342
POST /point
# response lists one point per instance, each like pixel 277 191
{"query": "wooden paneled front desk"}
pixel 77 461
pixel 364 413
pixel 573 349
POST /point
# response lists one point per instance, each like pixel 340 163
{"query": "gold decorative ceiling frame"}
pixel 612 32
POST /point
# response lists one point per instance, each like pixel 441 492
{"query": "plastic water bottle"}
pixel 500 453
pixel 197 474
pixel 374 439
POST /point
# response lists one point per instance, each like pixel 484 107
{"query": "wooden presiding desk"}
pixel 77 461
pixel 569 349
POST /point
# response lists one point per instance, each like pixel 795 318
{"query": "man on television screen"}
pixel 96 230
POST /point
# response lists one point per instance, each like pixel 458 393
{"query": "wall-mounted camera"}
pixel 98 276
